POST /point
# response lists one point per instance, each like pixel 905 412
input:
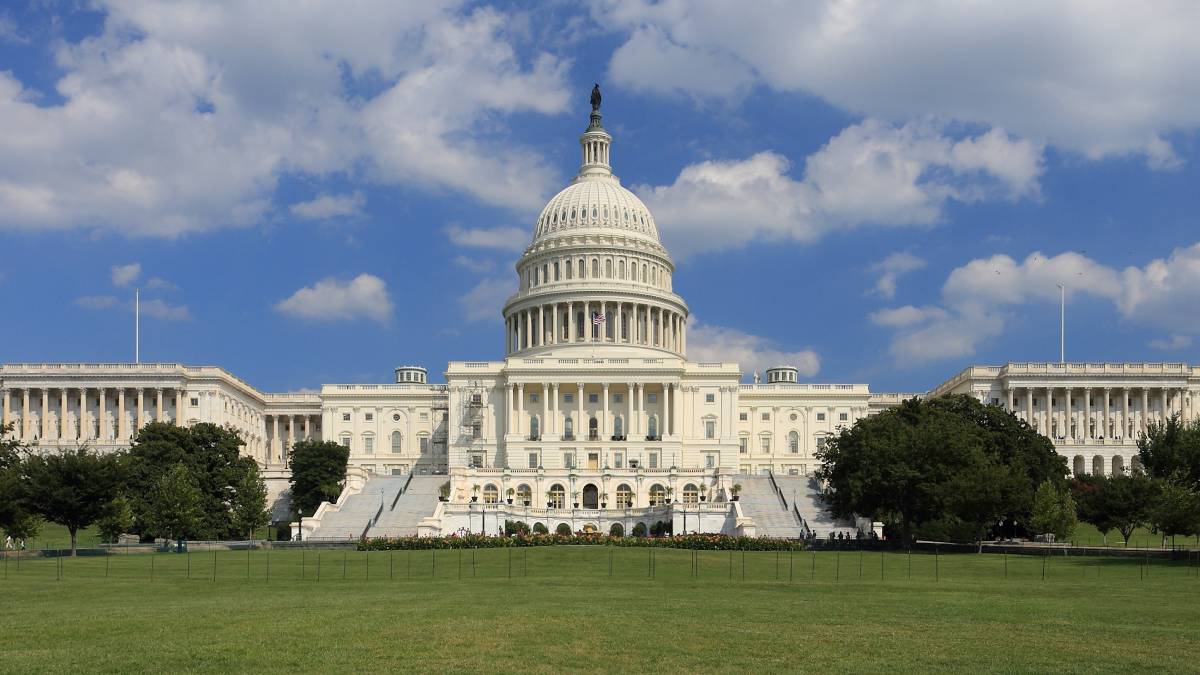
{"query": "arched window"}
pixel 1078 465
pixel 595 268
pixel 524 494
pixel 579 272
pixel 618 427
pixel 624 497
pixel 567 268
pixel 654 275
pixel 533 429
pixel 397 442
pixel 594 429
pixel 691 494
pixel 491 495
pixel 545 273
pixel 657 494
pixel 644 273
pixel 621 269
pixel 556 272
pixel 652 428
pixel 1097 465
pixel 1118 465
pixel 608 269
pixel 556 497
pixel 569 429
pixel 793 442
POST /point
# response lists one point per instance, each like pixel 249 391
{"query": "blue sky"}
pixel 876 193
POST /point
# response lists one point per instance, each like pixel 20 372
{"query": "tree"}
pixel 174 505
pixel 950 464
pixel 15 517
pixel 318 469
pixel 116 520
pixel 1120 503
pixel 1172 450
pixel 1053 511
pixel 1177 509
pixel 72 487
pixel 250 503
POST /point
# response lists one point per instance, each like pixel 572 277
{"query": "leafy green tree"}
pixel 72 487
pixel 950 463
pixel 1053 511
pixel 1172 450
pixel 116 520
pixel 15 517
pixel 1120 503
pixel 211 454
pixel 250 503
pixel 174 505
pixel 318 470
pixel 1177 509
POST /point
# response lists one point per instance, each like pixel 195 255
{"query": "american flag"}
pixel 598 318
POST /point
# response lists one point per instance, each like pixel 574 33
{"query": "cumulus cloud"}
pixel 123 275
pixel 1047 71
pixel 96 302
pixel 484 300
pixel 500 238
pixel 160 284
pixel 753 353
pixel 980 296
pixel 330 206
pixel 891 268
pixel 153 308
pixel 331 299
pixel 179 117
pixel 870 173
pixel 476 265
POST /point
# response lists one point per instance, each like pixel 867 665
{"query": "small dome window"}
pixel 572 214
pixel 594 213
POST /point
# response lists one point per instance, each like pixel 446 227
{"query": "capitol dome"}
pixel 595 270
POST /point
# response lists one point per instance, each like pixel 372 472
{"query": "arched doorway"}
pixel 591 498
pixel 1079 464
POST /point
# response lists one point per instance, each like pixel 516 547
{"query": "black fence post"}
pixel 837 565
pixel 214 565
pixel 936 567
pixel 812 572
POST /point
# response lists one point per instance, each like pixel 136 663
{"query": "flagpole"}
pixel 137 326
pixel 1062 323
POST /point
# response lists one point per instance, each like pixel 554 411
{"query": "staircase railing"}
pixel 803 523
pixel 778 492
pixel 402 490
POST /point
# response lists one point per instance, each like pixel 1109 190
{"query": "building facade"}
pixel 594 409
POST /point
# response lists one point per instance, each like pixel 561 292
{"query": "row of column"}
pixel 636 416
pixel 86 426
pixel 285 431
pixel 1079 421
pixel 624 323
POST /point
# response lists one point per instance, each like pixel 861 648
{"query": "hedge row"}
pixel 703 542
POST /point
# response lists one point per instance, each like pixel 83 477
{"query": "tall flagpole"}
pixel 1062 323
pixel 137 326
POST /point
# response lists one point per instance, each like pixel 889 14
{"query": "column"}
pixel 580 426
pixel 604 423
pixel 85 429
pixel 1029 407
pixel 25 432
pixel 1145 410
pixel 1067 407
pixel 1049 409
pixel 1087 412
pixel 1107 405
pixel 158 410
pixel 547 416
pixel 508 408
pixel 683 336
pixel 6 400
pixel 141 408
pixel 1010 399
pixel 122 432
pixel 541 332
pixel 308 428
pixel 587 320
pixel 276 446
pixel 178 407
pixel 641 408
pixel 291 430
pixel 570 320
pixel 521 408
pixel 45 413
pixel 63 408
pixel 1163 414
pixel 1125 412
pixel 665 429
pixel 100 430
pixel 527 342
pixel 628 410
pixel 675 410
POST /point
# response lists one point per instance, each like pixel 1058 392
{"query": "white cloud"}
pixel 330 299
pixel 751 352
pixel 891 268
pixel 484 300
pixel 160 309
pixel 181 116
pixel 1097 78
pixel 160 284
pixel 476 265
pixel 96 302
pixel 1175 342
pixel 501 238
pixel 123 275
pixel 330 206
pixel 980 296
pixel 870 173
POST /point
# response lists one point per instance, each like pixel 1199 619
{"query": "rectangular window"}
pixel 653 398
pixel 710 461
pixel 477 461
pixel 820 443
pixel 842 417
pixel 766 417
pixel 369 444
pixel 568 398
pixel 617 398
pixel 533 398
pixel 710 428
pixel 593 398
pixel 533 460
pixel 619 460
pixel 477 430
pixel 820 417
pixel 744 417
pixel 424 417
pixel 569 460
pixel 194 402
pixel 345 441
pixel 654 460
pixel 477 399
pixel 710 398
pixel 424 444
pixel 633 463
pixel 345 417
pixel 396 471
pixel 765 443
pixel 370 417
pixel 743 444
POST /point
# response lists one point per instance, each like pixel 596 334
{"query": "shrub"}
pixel 512 527
pixel 563 529
pixel 539 528
pixel 617 530
pixel 702 542
pixel 639 530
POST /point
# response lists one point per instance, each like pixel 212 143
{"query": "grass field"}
pixel 563 610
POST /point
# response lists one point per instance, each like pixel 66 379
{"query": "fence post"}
pixel 268 564
pixel 151 567
pixel 812 572
pixel 367 565
pixel 189 562
pixel 860 559
pixel 318 567
pixel 247 563
pixel 731 564
pixel 936 568
pixel 107 553
pixel 837 565
pixel 344 555
pixel 214 564
pixel 1045 557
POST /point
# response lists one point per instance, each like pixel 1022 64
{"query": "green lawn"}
pixel 561 610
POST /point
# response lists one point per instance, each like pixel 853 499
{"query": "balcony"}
pixel 619 438
pixel 534 437
pixel 654 438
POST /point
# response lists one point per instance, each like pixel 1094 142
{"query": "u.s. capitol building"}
pixel 595 417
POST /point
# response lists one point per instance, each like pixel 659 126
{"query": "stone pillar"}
pixel 158 410
pixel 45 413
pixel 1087 412
pixel 291 430
pixel 1048 431
pixel 6 400
pixel 605 426
pixel 308 426
pixel 587 320
pixel 521 408
pixel 1070 420
pixel 570 321
pixel 1029 418
pixel 508 408
pixel 1107 417
pixel 276 446
pixel 1124 412
pixel 25 431
pixel 580 427
pixel 1145 410
pixel 1163 406
pixel 641 409
pixel 528 339
pixel 85 429
pixel 101 430
pixel 628 410
pixel 141 408
pixel 675 410
pixel 63 409
pixel 178 407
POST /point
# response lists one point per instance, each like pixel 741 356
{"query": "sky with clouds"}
pixel 874 192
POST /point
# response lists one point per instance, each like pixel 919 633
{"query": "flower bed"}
pixel 703 542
